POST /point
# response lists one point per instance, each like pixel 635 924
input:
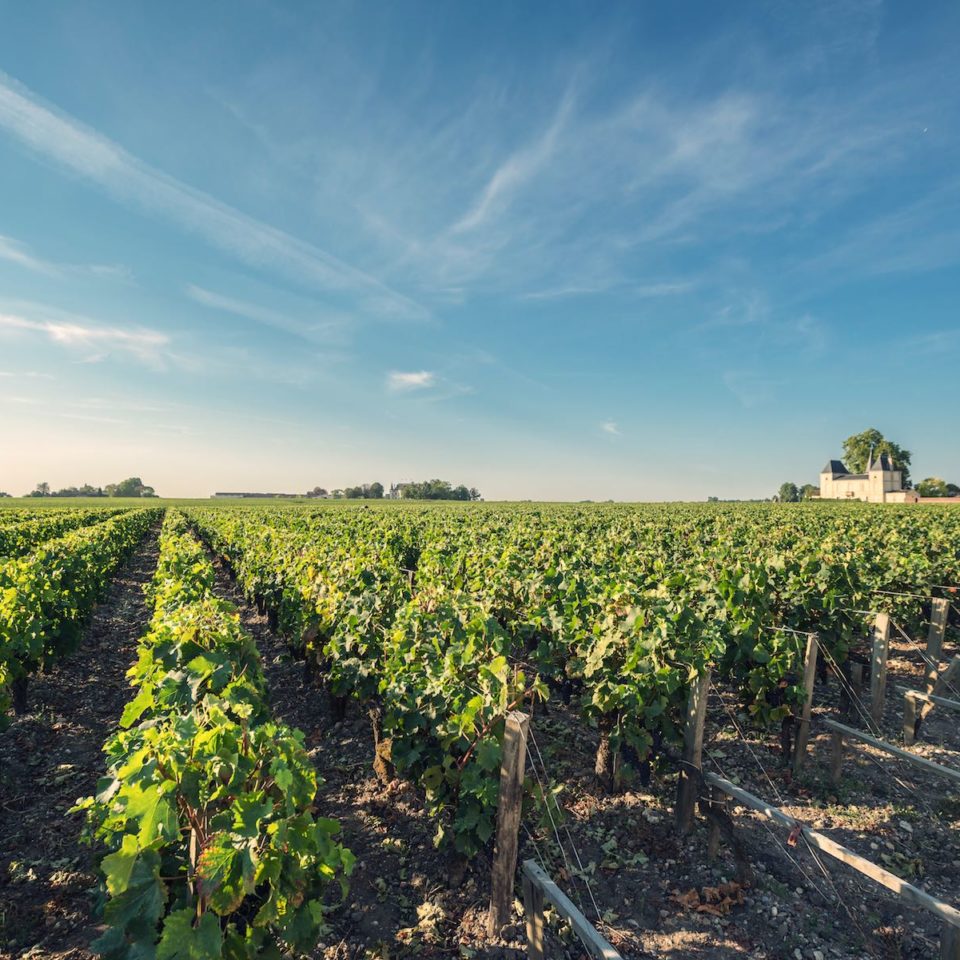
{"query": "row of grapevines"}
pixel 434 668
pixel 394 622
pixel 46 595
pixel 744 571
pixel 17 539
pixel 617 607
pixel 207 807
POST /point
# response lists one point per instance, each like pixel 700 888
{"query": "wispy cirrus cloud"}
pixel 78 333
pixel 399 382
pixel 20 254
pixel 610 427
pixel 320 331
pixel 641 291
pixel 750 388
pixel 749 317
pixel 87 153
pixel 609 187
pixel 14 252
pixel 516 170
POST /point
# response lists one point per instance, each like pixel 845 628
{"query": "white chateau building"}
pixel 882 483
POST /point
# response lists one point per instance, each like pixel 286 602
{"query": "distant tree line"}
pixel 437 490
pixel 935 487
pixel 131 487
pixel 425 490
pixel 791 493
pixel 366 491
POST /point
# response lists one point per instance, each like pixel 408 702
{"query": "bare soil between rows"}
pixel 50 757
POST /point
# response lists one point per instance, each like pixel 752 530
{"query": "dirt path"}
pixel 50 757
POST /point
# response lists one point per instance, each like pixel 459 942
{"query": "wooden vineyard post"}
pixel 910 714
pixel 512 767
pixel 533 911
pixel 836 755
pixel 945 686
pixel 939 610
pixel 878 666
pixel 535 879
pixel 856 677
pixel 689 785
pixel 809 680
pixel 717 799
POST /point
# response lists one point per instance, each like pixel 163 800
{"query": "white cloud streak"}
pixel 517 170
pixel 147 346
pixel 648 291
pixel 399 382
pixel 322 331
pixel 129 180
pixel 610 427
pixel 604 189
pixel 14 252
pixel 18 253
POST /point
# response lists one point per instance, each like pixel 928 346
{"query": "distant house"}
pixel 882 483
pixel 395 492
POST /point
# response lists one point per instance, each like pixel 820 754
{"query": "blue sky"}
pixel 637 251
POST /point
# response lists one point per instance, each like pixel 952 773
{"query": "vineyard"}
pixel 281 730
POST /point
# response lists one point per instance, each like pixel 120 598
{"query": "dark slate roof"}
pixel 883 462
pixel 834 466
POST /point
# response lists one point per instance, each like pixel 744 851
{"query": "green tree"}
pixel 41 490
pixel 85 491
pixel 437 490
pixel 788 493
pixel 131 487
pixel 366 491
pixel 809 491
pixel 857 450
pixel 935 487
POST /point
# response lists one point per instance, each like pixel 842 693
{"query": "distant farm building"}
pixel 882 483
